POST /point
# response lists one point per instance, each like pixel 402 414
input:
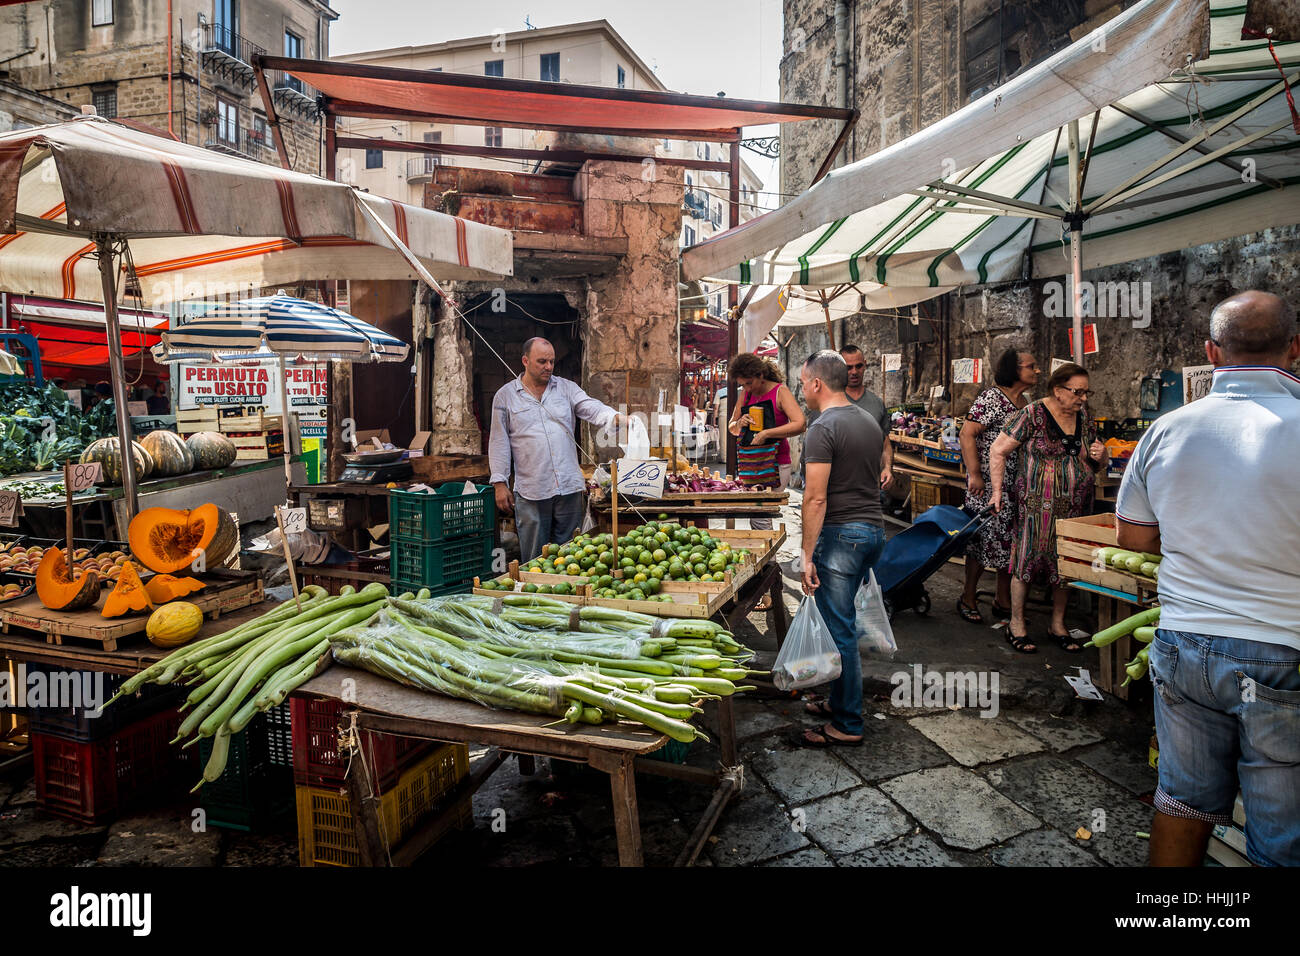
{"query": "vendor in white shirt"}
pixel 532 434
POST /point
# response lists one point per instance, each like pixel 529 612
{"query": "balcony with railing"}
pixel 420 169
pixel 292 94
pixel 224 137
pixel 230 55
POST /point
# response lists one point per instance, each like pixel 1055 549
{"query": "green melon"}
pixel 170 454
pixel 211 450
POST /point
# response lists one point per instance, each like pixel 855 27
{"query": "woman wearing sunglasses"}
pixel 1059 457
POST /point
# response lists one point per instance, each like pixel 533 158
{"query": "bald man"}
pixel 532 435
pixel 1213 487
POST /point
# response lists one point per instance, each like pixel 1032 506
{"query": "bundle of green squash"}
pixel 1139 563
pixel 172 543
pixel 161 454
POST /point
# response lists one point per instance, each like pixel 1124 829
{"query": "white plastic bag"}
pixel 638 439
pixel 875 636
pixel 809 656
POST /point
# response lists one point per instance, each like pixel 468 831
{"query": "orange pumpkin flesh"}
pixel 58 590
pixel 165 587
pixel 128 595
pixel 166 540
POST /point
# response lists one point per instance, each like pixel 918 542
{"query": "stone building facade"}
pixel 113 55
pixel 911 62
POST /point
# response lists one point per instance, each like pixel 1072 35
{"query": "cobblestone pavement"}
pixel 931 785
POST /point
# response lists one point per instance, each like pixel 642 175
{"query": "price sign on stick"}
pixel 81 476
pixel 295 520
pixel 643 478
pixel 11 504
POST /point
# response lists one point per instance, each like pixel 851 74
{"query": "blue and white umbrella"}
pixel 284 325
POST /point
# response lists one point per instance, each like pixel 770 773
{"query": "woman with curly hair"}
pixel 760 383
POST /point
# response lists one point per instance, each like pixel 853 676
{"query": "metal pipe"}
pixel 107 276
pixel 842 64
pixel 169 69
pixel 1075 221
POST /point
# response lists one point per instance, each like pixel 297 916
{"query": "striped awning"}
pixel 205 225
pixel 1186 136
pixel 282 325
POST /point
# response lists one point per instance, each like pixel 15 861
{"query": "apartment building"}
pixel 191 75
pixel 589 53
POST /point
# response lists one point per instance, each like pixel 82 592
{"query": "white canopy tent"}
pixel 89 206
pixel 1162 129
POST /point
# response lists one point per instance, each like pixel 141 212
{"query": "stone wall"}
pixel 904 81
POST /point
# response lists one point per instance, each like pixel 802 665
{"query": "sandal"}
pixel 821 738
pixel 1001 613
pixel 1066 642
pixel 1020 642
pixel 818 708
pixel 971 614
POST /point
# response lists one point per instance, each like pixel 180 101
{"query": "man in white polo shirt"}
pixel 1214 488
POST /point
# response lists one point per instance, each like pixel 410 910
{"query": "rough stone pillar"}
pixel 455 431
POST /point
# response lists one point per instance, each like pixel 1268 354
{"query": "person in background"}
pixel 1014 373
pixel 843 532
pixel 857 392
pixel 532 435
pixel 760 380
pixel 1212 487
pixel 1059 457
pixel 159 402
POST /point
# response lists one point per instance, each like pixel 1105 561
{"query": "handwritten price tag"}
pixel 643 478
pixel 295 520
pixel 81 476
pixel 11 505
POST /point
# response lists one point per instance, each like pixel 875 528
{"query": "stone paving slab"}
pixel 972 740
pixel 891 747
pixel 1066 796
pixel 1059 733
pixel 1121 765
pixel 915 849
pixel 260 849
pixel 65 853
pixel 160 839
pixel 809 857
pixel 798 776
pixel 754 718
pixel 1042 848
pixel 755 828
pixel 26 825
pixel 959 806
pixel 852 821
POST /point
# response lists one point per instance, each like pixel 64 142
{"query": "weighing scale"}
pixel 377 474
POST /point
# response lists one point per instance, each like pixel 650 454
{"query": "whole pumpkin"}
pixel 105 451
pixel 171 456
pixel 174 624
pixel 211 450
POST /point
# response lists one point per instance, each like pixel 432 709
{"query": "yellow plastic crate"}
pixel 325 832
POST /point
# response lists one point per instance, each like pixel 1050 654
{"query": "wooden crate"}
pixel 925 495
pixel 428 468
pixel 257 447
pixel 225 591
pixel 1077 542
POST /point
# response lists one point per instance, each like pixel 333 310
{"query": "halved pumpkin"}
pixel 167 540
pixel 58 590
pixel 128 594
pixel 166 587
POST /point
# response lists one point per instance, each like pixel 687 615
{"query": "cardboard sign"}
pixel 294 519
pixel 1089 340
pixel 1057 363
pixel 11 504
pixel 74 398
pixel 966 371
pixel 891 362
pixel 1197 380
pixel 643 478
pixel 81 476
pixel 138 408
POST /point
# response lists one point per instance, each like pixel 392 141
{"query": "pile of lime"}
pixel 655 552
pixel 505 583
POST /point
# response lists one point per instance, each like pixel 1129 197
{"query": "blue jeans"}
pixel 843 558
pixel 551 520
pixel 1228 715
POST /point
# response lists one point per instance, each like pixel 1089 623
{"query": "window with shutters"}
pixel 105 101
pixel 227 122
pixel 622 78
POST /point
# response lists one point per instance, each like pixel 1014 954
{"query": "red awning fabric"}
pixel 73 334
pixel 527 103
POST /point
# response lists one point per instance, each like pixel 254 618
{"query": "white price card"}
pixel 11 506
pixel 295 520
pixel 644 478
pixel 1083 685
pixel 81 476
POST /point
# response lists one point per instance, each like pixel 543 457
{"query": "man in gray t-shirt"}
pixel 857 392
pixel 842 533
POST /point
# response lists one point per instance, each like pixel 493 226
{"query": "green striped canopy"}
pixel 1003 217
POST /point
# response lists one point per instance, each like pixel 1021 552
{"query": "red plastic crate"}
pixel 316 760
pixel 93 781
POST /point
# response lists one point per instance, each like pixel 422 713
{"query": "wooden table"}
pixel 695 507
pixel 617 749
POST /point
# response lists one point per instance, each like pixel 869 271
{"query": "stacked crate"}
pixel 256 437
pixel 256 790
pixel 443 540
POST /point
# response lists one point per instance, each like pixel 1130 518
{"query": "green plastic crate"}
pixel 442 563
pixel 460 587
pixel 447 513
pixel 256 790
